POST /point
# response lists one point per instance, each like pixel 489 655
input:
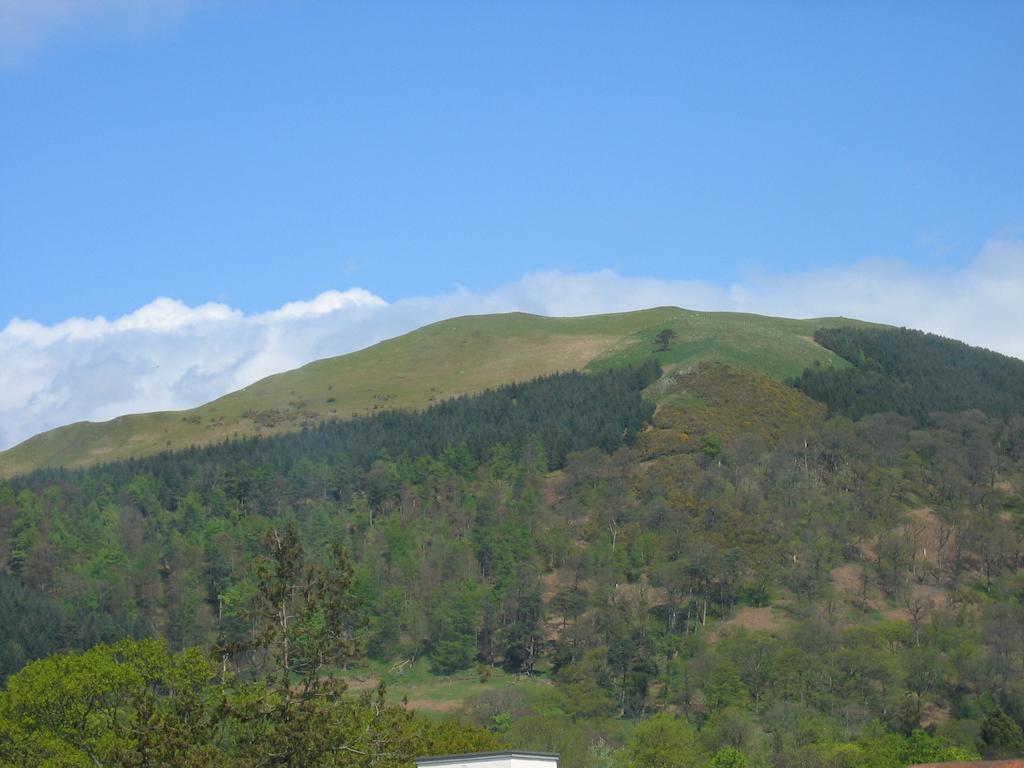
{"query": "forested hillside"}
pixel 150 546
pixel 736 578
pixel 912 373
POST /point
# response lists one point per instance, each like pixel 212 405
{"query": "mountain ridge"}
pixel 461 355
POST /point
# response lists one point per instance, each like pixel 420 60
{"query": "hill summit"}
pixel 463 355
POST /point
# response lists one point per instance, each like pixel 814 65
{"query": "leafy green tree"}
pixel 728 757
pixel 107 706
pixel 456 619
pixel 725 688
pixel 1000 736
pixel 586 688
pixel 732 727
pixel 879 749
pixel 664 338
pixel 921 747
pixel 133 704
pixel 304 619
pixel 663 741
pixel 304 616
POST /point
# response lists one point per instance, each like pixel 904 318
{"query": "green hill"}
pixel 458 356
pixel 734 573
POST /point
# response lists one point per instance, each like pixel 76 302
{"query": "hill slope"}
pixel 746 571
pixel 452 357
pixel 912 373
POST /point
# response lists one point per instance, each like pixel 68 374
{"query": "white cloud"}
pixel 982 304
pixel 167 355
pixel 325 303
pixel 28 25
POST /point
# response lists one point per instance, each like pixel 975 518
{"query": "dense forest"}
pixel 136 703
pixel 912 373
pixel 115 547
pixel 738 578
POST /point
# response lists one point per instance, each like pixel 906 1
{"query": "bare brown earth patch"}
pixel 846 579
pixel 362 683
pixel 751 619
pixel 429 705
pixel 756 619
pixel 640 594
pixel 925 527
pixel 932 714
pixel 551 583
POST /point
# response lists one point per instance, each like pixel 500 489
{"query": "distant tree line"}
pixel 912 373
pixel 562 413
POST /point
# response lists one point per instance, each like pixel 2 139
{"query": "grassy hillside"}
pixel 462 355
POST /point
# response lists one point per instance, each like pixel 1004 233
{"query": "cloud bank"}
pixel 167 355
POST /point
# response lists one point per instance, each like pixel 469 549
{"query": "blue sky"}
pixel 259 152
pixel 194 194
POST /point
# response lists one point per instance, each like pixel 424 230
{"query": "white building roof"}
pixel 506 759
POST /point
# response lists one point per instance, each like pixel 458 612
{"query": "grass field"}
pixel 453 357
pixel 429 693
